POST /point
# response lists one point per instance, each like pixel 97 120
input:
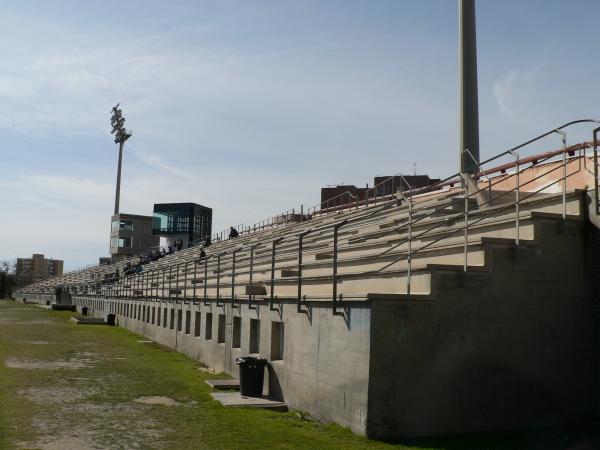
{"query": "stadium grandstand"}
pixel 389 309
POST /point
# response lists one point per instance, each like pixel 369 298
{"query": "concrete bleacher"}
pixel 362 250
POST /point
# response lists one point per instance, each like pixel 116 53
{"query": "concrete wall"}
pixel 509 346
pixel 325 365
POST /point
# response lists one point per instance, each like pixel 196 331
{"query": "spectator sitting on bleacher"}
pixel 207 242
pixel 202 255
pixel 233 233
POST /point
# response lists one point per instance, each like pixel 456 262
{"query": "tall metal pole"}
pixel 118 194
pixel 469 115
pixel 117 121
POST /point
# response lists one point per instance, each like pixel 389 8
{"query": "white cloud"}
pixel 246 131
pixel 510 87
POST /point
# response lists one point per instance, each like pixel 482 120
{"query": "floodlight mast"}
pixel 469 115
pixel 117 121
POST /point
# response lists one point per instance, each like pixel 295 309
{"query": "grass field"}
pixel 64 386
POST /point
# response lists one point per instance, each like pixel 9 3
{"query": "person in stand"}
pixel 179 244
pixel 233 233
pixel 202 255
pixel 207 242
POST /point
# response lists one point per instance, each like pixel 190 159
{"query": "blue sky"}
pixel 249 107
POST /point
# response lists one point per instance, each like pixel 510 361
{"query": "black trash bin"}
pixel 110 319
pixel 252 375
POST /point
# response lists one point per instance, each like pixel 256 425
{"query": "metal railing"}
pixel 171 281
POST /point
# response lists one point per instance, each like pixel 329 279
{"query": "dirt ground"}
pixel 67 386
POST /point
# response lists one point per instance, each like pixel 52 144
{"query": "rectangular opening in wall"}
pixel 153 315
pixel 236 339
pixel 158 315
pixel 276 341
pixel 221 329
pixel 208 328
pixel 188 321
pixel 165 314
pixel 197 324
pixel 172 324
pixel 254 336
pixel 179 319
pixel 143 318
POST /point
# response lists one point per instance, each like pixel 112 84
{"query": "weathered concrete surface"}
pixel 235 400
pixel 508 345
pixel 325 366
pixel 228 384
pixel 502 348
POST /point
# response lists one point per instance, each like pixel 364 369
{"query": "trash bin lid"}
pixel 247 360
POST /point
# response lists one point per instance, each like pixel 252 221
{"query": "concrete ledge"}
pixel 57 307
pixel 224 385
pixel 88 321
pixel 236 400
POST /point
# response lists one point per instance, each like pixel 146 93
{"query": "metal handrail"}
pixel 452 179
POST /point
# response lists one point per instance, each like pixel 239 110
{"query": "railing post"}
pixel 336 229
pixel 250 275
pixel 517 194
pixel 300 248
pixel 596 169
pixel 273 252
pixel 185 279
pixel 205 279
pixel 409 246
pixel 233 276
pixel 195 281
pixel 563 137
pixel 466 232
pixel 218 276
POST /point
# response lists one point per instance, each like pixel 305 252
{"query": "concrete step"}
pixel 230 384
pixel 236 400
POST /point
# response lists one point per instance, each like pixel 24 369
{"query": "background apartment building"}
pixel 36 268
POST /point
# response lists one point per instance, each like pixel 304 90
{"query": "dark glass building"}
pixel 189 222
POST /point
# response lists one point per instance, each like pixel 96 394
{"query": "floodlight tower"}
pixel 117 121
pixel 467 66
